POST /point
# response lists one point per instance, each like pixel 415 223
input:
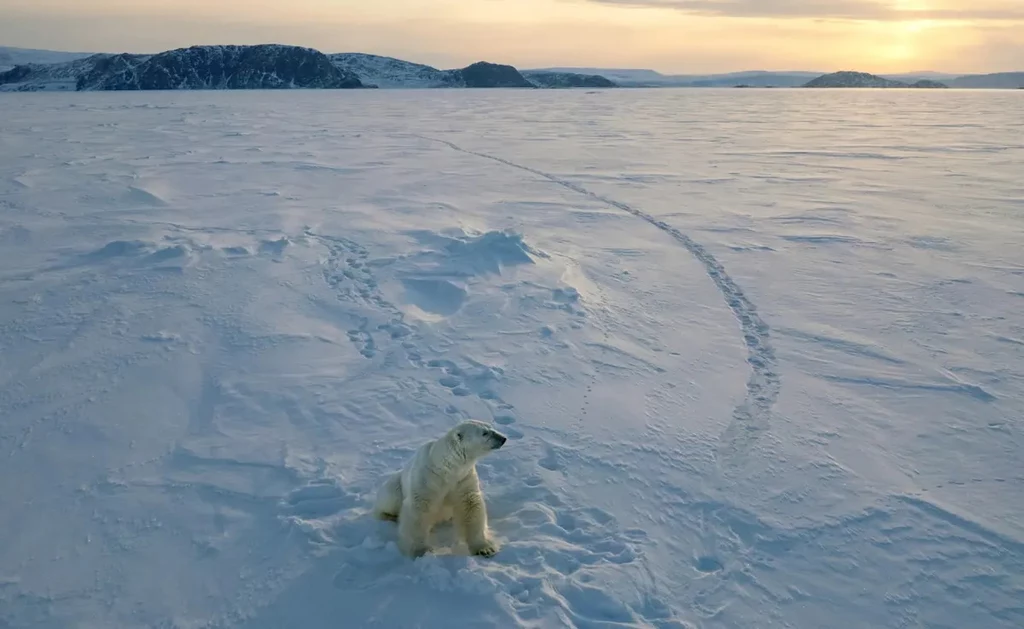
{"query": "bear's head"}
pixel 475 439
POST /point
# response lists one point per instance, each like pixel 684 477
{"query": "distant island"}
pixel 863 79
pixel 793 78
pixel 274 66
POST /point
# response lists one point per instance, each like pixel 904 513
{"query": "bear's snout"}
pixel 498 440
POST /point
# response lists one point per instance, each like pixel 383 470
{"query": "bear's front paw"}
pixel 413 550
pixel 487 548
pixel 418 551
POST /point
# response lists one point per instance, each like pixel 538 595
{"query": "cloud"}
pixel 860 10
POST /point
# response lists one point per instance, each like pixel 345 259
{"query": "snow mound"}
pixel 119 249
pixel 142 196
pixel 437 282
pixel 489 252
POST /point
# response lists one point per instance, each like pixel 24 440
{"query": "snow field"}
pixel 757 370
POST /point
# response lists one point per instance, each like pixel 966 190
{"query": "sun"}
pixel 903 40
pixel 912 27
pixel 917 26
pixel 898 51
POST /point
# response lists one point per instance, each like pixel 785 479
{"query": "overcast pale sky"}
pixel 684 36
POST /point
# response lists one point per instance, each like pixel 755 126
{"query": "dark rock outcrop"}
pixel 928 84
pixel 567 79
pixel 103 67
pixel 17 74
pixel 484 74
pixel 267 66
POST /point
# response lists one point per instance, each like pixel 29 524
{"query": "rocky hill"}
pixel 863 79
pixel 199 67
pixel 269 66
pixel 929 84
pixel 102 67
pixel 388 72
pixel 484 74
pixel 266 66
pixel 566 79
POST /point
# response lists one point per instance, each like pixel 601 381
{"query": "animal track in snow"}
pixel 752 415
pixel 364 342
pixel 555 561
pixel 506 423
pixel 347 271
pixel 707 563
pixel 557 553
pixel 551 461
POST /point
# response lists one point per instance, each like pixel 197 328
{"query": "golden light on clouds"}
pixel 670 35
pixel 911 5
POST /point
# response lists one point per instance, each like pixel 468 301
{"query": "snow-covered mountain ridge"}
pixel 266 66
pixel 44 70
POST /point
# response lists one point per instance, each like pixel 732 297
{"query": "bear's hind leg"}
pixel 414 527
pixel 389 498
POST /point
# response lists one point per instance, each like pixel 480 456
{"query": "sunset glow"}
pixel 682 36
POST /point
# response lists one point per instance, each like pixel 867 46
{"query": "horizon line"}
pixel 538 68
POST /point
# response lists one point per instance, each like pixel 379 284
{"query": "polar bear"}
pixel 440 483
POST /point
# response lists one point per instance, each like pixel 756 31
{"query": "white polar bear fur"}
pixel 440 483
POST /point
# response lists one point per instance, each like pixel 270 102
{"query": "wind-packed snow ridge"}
pixel 752 415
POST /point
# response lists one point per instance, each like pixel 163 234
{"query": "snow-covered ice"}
pixel 760 354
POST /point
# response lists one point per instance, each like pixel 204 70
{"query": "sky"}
pixel 673 36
